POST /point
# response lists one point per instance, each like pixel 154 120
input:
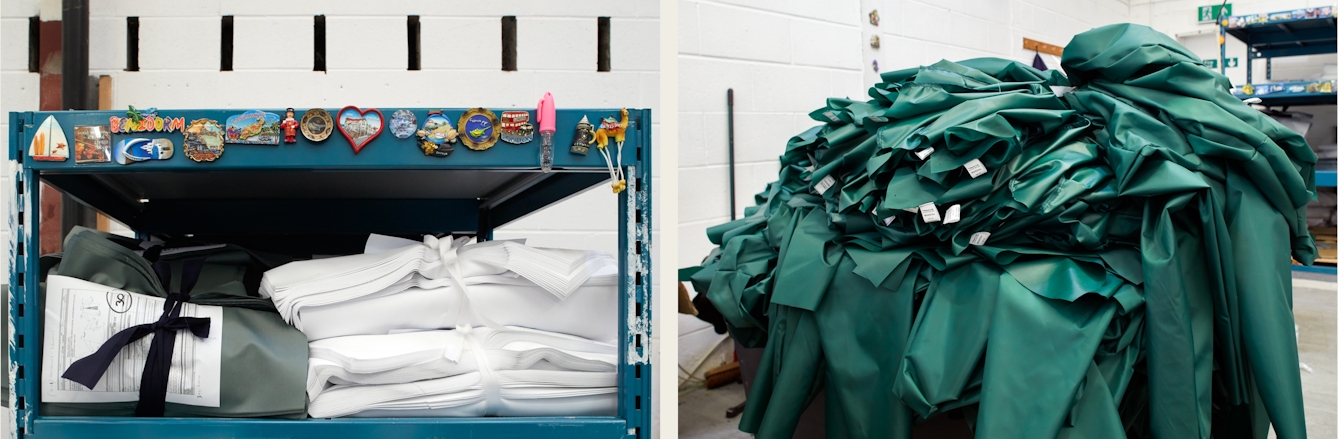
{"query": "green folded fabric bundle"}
pixel 264 368
pixel 1119 269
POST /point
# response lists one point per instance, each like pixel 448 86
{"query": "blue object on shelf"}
pixel 326 198
pixel 1326 178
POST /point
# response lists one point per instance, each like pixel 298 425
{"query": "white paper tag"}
pixel 979 238
pixel 878 118
pixel 825 184
pixel 975 168
pixel 831 115
pixel 929 212
pixel 888 221
pixel 953 214
pixel 912 209
pixel 924 153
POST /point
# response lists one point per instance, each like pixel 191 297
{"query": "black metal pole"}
pixel 74 55
pixel 74 93
pixel 729 97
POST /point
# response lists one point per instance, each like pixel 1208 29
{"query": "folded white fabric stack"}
pixel 450 328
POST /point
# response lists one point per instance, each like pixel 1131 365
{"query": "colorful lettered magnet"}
pixel 317 124
pixel 140 121
pixel 585 134
pixel 437 135
pixel 360 126
pixel 129 151
pixel 516 127
pixel 873 17
pixel 253 127
pixel 289 126
pixel 49 143
pixel 403 124
pixel 203 141
pixel 478 129
pixel 92 144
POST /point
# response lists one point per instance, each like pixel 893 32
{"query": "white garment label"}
pixel 831 115
pixel 929 212
pixel 888 221
pixel 953 214
pixel 81 315
pixel 1060 90
pixel 912 209
pixel 924 153
pixel 979 238
pixel 975 168
pixel 878 118
pixel 825 184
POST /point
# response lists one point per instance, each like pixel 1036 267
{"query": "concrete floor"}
pixel 701 413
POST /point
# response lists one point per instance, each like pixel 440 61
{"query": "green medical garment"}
pixel 1098 255
pixel 264 368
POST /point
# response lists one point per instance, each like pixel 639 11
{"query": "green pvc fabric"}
pixel 264 368
pixel 1134 281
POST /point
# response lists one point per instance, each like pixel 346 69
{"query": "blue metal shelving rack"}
pixel 1281 34
pixel 327 198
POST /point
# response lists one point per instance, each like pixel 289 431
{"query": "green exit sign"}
pixel 1209 14
pixel 1230 62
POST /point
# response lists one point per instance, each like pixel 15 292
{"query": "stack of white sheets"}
pixel 449 328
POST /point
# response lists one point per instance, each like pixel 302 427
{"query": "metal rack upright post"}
pixel 324 198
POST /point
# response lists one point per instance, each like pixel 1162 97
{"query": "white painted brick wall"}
pixel 271 44
pixel 544 43
pixel 783 59
pixel 367 66
pixel 441 37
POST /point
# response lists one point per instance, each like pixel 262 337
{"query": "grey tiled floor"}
pixel 1315 300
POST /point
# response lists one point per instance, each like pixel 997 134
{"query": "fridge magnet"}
pixel 874 42
pixel 144 121
pixel 437 136
pixel 129 151
pixel 204 140
pixel 49 143
pixel 360 126
pixel 253 127
pixel 546 114
pixel 873 17
pixel 478 129
pixel 585 133
pixel 317 124
pixel 875 66
pixel 289 126
pixel 617 130
pixel 516 127
pixel 92 144
pixel 403 124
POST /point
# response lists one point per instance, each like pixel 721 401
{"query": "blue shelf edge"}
pixel 202 428
pixel 1321 269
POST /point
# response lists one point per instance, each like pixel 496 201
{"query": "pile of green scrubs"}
pixel 1121 268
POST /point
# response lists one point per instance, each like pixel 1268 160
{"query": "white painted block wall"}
pixel 783 59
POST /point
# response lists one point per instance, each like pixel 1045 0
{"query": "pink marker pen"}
pixel 547 116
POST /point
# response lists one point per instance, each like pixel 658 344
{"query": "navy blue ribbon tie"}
pixel 153 382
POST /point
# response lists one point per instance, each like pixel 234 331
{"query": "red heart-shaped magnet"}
pixel 359 126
